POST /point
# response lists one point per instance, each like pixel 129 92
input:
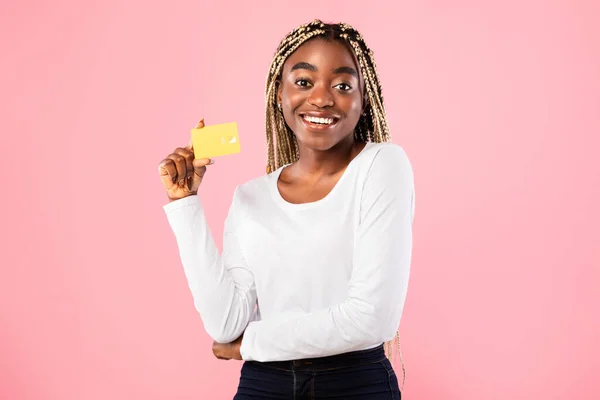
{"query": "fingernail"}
pixel 211 162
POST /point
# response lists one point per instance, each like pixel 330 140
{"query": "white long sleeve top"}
pixel 305 280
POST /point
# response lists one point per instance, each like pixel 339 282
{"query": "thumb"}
pixel 199 171
pixel 200 165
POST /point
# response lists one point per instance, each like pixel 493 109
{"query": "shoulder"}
pixel 248 197
pixel 386 158
pixel 254 189
pixel 388 173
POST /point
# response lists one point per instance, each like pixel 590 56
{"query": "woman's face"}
pixel 321 92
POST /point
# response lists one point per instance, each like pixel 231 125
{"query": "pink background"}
pixel 497 105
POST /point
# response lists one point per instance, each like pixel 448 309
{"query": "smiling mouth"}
pixel 319 121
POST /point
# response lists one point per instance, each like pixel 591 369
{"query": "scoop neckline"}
pixel 297 206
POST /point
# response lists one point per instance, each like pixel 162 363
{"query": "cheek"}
pixel 292 98
pixel 352 107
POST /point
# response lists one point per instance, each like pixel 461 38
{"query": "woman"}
pixel 316 253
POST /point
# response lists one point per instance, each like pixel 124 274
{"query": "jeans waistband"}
pixel 353 358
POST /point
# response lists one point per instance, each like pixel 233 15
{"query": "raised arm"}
pixel 222 286
pixel 378 286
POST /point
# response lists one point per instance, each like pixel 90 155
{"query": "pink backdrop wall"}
pixel 496 103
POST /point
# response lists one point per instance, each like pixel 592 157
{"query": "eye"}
pixel 344 87
pixel 302 82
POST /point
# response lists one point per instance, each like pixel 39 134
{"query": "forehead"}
pixel 323 54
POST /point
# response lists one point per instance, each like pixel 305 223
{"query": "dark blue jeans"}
pixel 358 375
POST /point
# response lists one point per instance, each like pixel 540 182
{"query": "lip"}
pixel 318 114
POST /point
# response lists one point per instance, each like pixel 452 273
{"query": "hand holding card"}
pixel 181 172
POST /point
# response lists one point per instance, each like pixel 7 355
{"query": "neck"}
pixel 327 162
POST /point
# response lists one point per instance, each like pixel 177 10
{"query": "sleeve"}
pixel 222 286
pixel 378 285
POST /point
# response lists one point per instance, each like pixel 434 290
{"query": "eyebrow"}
pixel 304 65
pixel 340 70
pixel 346 70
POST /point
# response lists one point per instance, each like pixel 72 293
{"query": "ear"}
pixel 365 103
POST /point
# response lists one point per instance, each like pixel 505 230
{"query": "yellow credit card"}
pixel 216 140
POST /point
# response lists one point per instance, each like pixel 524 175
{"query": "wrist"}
pixel 172 199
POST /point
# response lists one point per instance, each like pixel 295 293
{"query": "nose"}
pixel 320 96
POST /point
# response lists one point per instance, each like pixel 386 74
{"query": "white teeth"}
pixel 316 120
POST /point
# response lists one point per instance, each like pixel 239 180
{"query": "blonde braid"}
pixel 372 125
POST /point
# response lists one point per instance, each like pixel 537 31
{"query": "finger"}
pixel 200 166
pixel 168 172
pixel 199 125
pixel 217 350
pixel 179 161
pixel 189 158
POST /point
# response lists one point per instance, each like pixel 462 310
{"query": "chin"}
pixel 319 142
